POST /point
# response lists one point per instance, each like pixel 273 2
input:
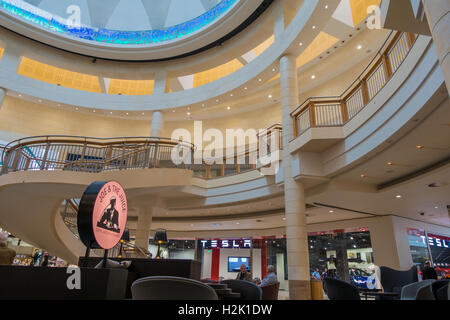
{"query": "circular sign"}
pixel 102 215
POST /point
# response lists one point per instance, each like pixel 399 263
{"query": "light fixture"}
pixel 160 237
pixel 228 108
pixel 331 211
pixel 284 219
pixel 126 113
pixel 436 207
pixel 76 108
pixel 93 111
pixel 399 196
pixel 245 88
pixel 313 76
pixel 363 176
pixel 326 6
pixel 273 70
pixel 40 100
pixel 231 94
pixel 259 79
pixel 20 95
pixel 237 222
pixel 419 147
pixel 173 111
pixel 110 112
pixel 270 96
pixel 389 163
pixel 314 27
pixel 359 47
pixel 143 113
pixel 188 113
pixel 217 100
pixel 300 44
pixel 203 105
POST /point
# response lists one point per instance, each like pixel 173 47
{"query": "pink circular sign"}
pixel 109 215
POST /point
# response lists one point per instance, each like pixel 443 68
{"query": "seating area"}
pixel 397 285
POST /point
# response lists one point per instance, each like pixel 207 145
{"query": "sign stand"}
pixel 86 255
pixel 105 257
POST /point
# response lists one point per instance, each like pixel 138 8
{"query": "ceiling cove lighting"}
pixel 140 37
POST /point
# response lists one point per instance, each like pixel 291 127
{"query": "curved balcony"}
pixel 94 155
pixel 337 111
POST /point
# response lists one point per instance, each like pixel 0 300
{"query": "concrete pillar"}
pixel 143 227
pixel 157 124
pixel 294 193
pixel 437 13
pixel 2 96
pixel 160 83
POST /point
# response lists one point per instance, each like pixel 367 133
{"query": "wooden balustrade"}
pixel 336 111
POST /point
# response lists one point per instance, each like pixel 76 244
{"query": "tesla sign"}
pixel 227 244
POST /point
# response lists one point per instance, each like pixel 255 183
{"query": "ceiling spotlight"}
pixel 237 222
pixel 314 27
pixel 188 113
pixel 93 111
pixel 110 112
pixel 313 76
pixel 398 196
pixel 436 207
pixel 40 100
pixel 143 113
pixel 259 79
pixel 126 113
pixel 326 6
pixel 270 96
pixel 20 95
pixel 359 47
pixel 76 108
pixel 419 147
pixel 273 70
pixel 389 163
pixel 363 176
pixel 231 95
pixel 228 108
pixel 245 88
pixel 203 105
pixel 217 100
pixel 300 44
pixel 331 211
pixel 173 111
pixel 284 219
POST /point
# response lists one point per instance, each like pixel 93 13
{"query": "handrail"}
pixel 88 154
pixel 338 110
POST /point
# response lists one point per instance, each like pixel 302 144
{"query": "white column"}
pixel 157 124
pixel 294 194
pixel 2 96
pixel 160 83
pixel 437 13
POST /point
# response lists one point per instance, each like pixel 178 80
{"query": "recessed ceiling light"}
pixel 273 70
pixel 270 96
pixel 436 207
pixel 237 222
pixel 389 163
pixel 398 196
pixel 359 47
pixel 127 113
pixel 231 95
pixel 419 147
pixel 228 108
pixel 20 95
pixel 259 79
pixel 284 219
pixel 326 6
pixel 59 105
pixel 363 176
pixel 188 113
pixel 217 100
pixel 40 100
pixel 173 111
pixel 203 105
pixel 110 112
pixel 76 108
pixel 300 44
pixel 331 211
pixel 93 111
pixel 313 27
pixel 245 88
pixel 143 113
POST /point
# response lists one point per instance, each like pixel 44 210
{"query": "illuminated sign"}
pixel 227 244
pixel 102 215
pixel 435 241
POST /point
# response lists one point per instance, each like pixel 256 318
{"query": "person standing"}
pixel 244 274
pixel 6 254
pixel 316 274
pixel 429 272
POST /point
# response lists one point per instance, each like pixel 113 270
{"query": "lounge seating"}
pixel 394 280
pixel 435 286
pixel 341 290
pixel 417 291
pixel 248 290
pixel 443 293
pixel 270 292
pixel 171 288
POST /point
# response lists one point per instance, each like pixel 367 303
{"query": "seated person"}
pixel 244 274
pixel 271 277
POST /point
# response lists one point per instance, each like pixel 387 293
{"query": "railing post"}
pixel 238 166
pixel 27 164
pixel 312 115
pixel 411 38
pixel 222 170
pixel 294 118
pixel 386 66
pixel 147 157
pixel 83 156
pixel 344 111
pixel 44 158
pixel 155 156
pixel 208 171
pixel 122 158
pixel 365 92
pixel 16 160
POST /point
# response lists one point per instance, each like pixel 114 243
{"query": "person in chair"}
pixel 271 277
pixel 110 217
pixel 244 274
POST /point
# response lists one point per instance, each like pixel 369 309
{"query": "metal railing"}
pixel 87 154
pixel 93 155
pixel 336 111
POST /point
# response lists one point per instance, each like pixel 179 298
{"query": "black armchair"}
pixel 248 290
pixel 340 290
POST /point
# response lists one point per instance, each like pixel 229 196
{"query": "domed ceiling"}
pixel 126 23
